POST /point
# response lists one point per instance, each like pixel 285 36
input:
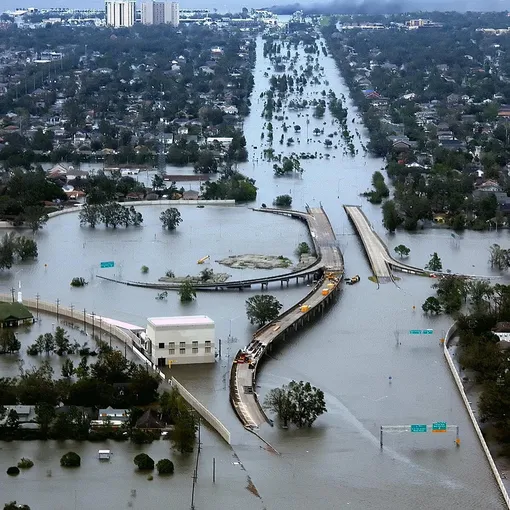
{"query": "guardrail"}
pixel 449 335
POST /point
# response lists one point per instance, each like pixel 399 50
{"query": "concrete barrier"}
pixel 449 335
pixel 202 410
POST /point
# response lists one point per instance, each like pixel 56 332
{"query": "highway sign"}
pixel 109 263
pixel 418 428
pixel 421 331
pixel 415 331
pixel 439 426
pixel 428 331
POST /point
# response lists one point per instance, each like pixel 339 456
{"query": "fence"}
pixel 449 335
pixel 202 410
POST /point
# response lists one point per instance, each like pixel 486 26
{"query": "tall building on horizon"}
pixel 120 13
pixel 157 13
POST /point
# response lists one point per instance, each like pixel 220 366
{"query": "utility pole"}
pixel 84 320
pixel 93 315
pixel 37 305
pixel 58 303
pixel 72 311
pixel 12 293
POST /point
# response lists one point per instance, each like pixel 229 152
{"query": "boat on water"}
pixel 353 280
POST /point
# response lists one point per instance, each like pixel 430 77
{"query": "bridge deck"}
pixel 374 247
pixel 243 396
pixel 380 259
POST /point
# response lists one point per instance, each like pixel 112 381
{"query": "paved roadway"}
pixel 374 247
pixel 331 261
pixel 380 259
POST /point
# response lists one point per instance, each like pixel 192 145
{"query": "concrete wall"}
pixel 202 410
pixel 449 335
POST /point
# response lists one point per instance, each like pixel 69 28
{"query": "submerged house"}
pixel 14 314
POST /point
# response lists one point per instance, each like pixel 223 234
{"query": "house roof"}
pixel 14 311
pixel 148 420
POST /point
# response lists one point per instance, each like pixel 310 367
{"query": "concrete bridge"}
pixel 381 261
pixel 243 394
pixel 325 245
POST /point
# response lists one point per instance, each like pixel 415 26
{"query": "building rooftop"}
pixel 14 311
pixel 188 320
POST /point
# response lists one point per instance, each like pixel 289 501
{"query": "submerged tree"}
pixel 299 402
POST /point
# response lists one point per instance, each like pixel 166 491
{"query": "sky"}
pixel 235 5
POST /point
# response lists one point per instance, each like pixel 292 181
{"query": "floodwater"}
pixel 350 353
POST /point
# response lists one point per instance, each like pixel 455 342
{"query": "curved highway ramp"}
pixel 243 394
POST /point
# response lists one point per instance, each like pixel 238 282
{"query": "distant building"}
pixel 158 13
pixel 182 340
pixel 120 13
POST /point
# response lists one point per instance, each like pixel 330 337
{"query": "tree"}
pixel 9 342
pixel 185 427
pixel 277 401
pixel 45 414
pixel 431 305
pixel 12 422
pixel 187 292
pixel 70 459
pixel 68 368
pixel 165 467
pixel 206 274
pixel 434 264
pixel 35 217
pixel 299 402
pixel 283 201
pixel 90 214
pixel 402 250
pixel 170 218
pixel 157 182
pixel 144 462
pixel 391 218
pixel 262 309
pixel 13 505
pixel 302 249
pixel 25 248
pixel 62 343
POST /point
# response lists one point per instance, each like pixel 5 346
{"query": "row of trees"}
pixel 112 214
pixel 15 247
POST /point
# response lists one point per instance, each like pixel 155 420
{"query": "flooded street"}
pixel 349 353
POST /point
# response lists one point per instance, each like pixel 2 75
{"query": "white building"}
pixel 120 13
pixel 181 340
pixel 157 13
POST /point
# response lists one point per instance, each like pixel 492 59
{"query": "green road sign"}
pixel 109 263
pixel 428 331
pixel 415 331
pixel 439 426
pixel 418 428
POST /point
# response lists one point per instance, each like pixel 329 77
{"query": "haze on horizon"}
pixel 364 6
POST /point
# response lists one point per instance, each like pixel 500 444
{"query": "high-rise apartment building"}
pixel 156 13
pixel 120 13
